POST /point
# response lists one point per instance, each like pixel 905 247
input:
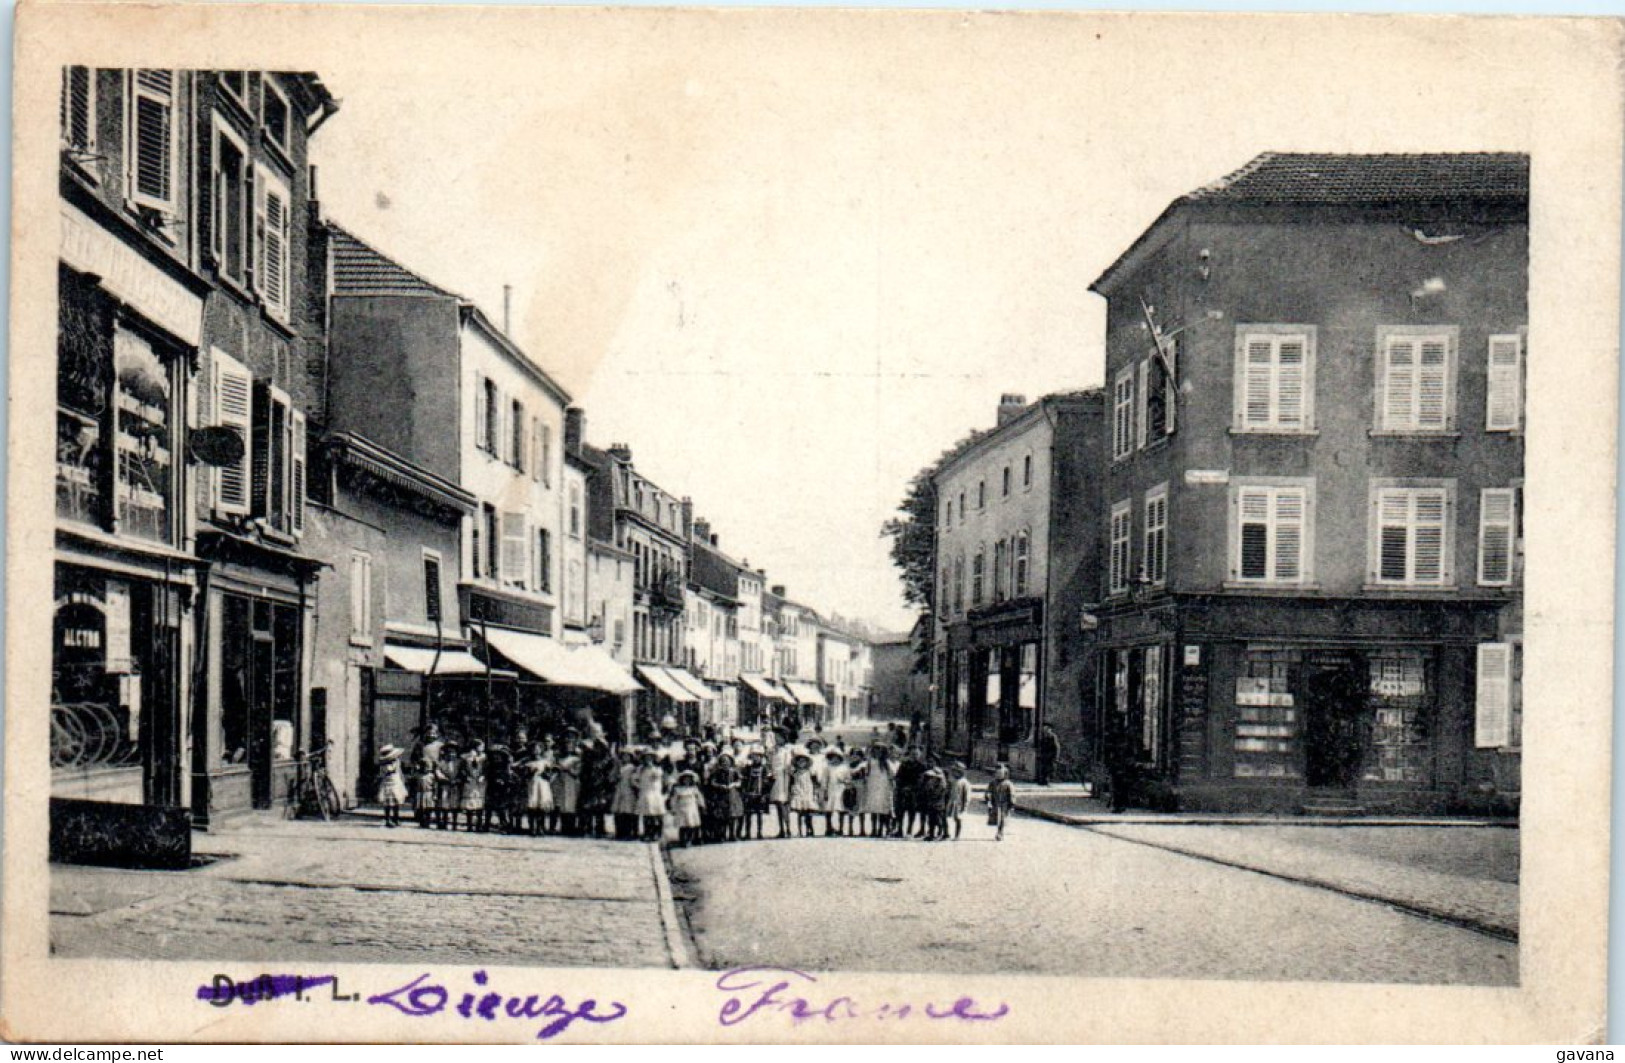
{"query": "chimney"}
pixel 507 310
pixel 1010 407
pixel 621 452
pixel 575 428
pixel 714 539
pixel 778 589
pixel 702 530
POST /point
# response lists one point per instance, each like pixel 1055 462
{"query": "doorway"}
pixel 1335 720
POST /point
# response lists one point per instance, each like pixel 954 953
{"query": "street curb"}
pixel 1200 820
pixel 676 942
pixel 1500 933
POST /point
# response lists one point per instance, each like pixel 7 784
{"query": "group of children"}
pixel 709 792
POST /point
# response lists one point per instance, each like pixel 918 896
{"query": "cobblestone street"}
pixel 355 892
pixel 1057 900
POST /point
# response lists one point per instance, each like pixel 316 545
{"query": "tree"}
pixel 913 535
pixel 913 540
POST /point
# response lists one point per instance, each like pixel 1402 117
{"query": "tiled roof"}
pixel 360 269
pixel 1278 177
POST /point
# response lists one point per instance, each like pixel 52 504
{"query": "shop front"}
pixel 563 687
pixel 251 722
pixel 761 702
pixel 124 593
pixel 1365 707
pixel 812 709
pixel 994 679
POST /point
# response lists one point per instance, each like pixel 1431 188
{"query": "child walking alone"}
pixel 1001 798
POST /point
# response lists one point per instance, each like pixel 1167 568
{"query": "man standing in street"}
pixel 1049 747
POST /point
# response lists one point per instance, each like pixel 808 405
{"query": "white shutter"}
pixel 1430 564
pixel 1492 727
pixel 79 107
pixel 515 548
pixel 271 240
pixel 482 411
pixel 1399 384
pixel 1503 408
pixel 1496 521
pixel 538 456
pixel 1139 403
pixel 1432 384
pixel 296 483
pixel 150 139
pixel 1257 370
pixel 1287 523
pixel 231 405
pixel 1290 374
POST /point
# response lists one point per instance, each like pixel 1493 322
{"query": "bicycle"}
pixel 313 791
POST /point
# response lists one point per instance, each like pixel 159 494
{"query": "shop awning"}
pixel 764 688
pixel 607 672
pixel 692 683
pixel 420 660
pixel 561 665
pixel 662 681
pixel 806 693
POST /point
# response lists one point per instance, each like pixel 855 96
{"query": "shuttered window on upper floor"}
pixel 1275 378
pixel 1503 404
pixel 150 139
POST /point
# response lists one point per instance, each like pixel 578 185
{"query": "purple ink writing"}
pixel 424 996
pixel 756 991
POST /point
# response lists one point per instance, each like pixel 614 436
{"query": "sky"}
pixel 790 260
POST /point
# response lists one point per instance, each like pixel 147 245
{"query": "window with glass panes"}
pixel 1268 727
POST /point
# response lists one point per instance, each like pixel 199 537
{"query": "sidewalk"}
pixel 1462 871
pixel 354 891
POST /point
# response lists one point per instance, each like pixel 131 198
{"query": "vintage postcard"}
pixel 573 525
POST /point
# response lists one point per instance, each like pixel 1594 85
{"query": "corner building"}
pixel 1312 592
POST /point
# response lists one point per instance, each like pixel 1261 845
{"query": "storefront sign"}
pixel 1193 656
pixel 1207 476
pixel 90 248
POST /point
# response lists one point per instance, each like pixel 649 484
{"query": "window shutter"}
pixel 1252 526
pixel 515 547
pixel 1432 406
pixel 1504 404
pixel 1139 403
pixel 1399 383
pixel 1288 521
pixel 296 490
pixel 151 139
pixel 271 250
pixel 261 446
pixel 1496 517
pixel 1256 389
pixel 1289 383
pixel 78 112
pixel 1170 383
pixel 1493 717
pixel 481 411
pixel 1428 530
pixel 431 589
pixel 538 453
pixel 1393 538
pixel 231 405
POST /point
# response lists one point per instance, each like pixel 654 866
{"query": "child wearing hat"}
pixel 687 808
pixel 391 784
pixel 1001 798
pixel 803 793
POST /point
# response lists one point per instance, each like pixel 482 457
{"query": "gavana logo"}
pixel 1571 1055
